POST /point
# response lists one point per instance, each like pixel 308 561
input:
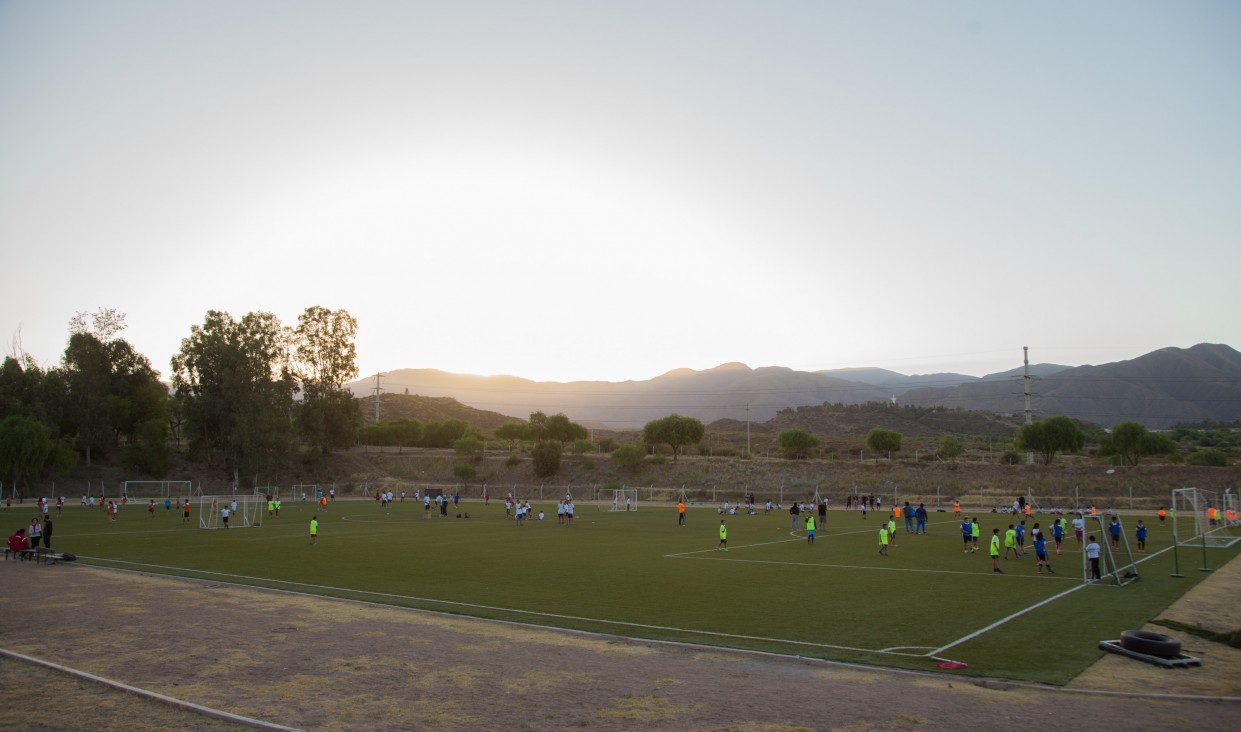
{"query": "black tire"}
pixel 1152 644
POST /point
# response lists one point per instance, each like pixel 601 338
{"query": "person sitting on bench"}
pixel 19 545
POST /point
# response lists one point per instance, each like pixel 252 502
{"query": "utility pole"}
pixel 378 389
pixel 747 431
pixel 1029 412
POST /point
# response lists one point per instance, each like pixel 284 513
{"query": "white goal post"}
pixel 1200 518
pixel 624 499
pixel 248 512
pixel 157 488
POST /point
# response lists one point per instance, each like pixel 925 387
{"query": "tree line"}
pixel 248 395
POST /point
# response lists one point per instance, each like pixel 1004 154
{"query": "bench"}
pixel 23 554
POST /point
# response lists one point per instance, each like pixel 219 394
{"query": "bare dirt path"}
pixel 331 665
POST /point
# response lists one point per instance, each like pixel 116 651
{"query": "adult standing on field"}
pixel 920 515
pixel 47 532
pixel 680 513
pixel 794 510
pixel 908 512
pixel 822 512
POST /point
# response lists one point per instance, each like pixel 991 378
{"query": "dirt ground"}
pixel 321 664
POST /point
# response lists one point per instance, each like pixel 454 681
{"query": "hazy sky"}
pixel 609 190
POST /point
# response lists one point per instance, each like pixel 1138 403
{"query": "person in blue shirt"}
pixel 920 514
pixel 1021 539
pixel 967 534
pixel 1057 533
pixel 1040 553
pixel 1140 532
pixel 1113 531
pixel 908 514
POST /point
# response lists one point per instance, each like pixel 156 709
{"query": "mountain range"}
pixel 1159 389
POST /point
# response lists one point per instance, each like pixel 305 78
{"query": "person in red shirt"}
pixel 18 543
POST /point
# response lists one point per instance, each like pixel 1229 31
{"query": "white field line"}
pixel 535 613
pixel 1023 611
pixel 977 573
pixel 152 695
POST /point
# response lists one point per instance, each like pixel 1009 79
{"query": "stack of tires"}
pixel 1152 644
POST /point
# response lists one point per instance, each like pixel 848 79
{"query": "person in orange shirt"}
pixel 1162 515
pixel 1211 515
pixel 680 513
pixel 956 508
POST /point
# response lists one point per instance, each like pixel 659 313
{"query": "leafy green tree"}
pixel 884 440
pixel 546 458
pixel 951 447
pixel 405 432
pixel 115 396
pixel 325 358
pixel 514 431
pixel 468 445
pixel 796 442
pixel 443 434
pixel 580 447
pixel 557 427
pixel 1050 436
pixel 628 456
pixel 674 431
pixel 1128 442
pixel 233 380
pixel 25 446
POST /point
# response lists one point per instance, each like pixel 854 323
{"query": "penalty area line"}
pixel 1023 611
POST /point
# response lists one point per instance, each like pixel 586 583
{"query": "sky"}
pixel 608 191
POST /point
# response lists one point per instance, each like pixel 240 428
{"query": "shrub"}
pixel 464 472
pixel 1212 458
pixel 628 456
pixel 513 461
pixel 580 447
pixel 546 456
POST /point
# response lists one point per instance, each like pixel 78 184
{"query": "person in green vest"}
pixel 995 551
pixel 883 540
pixel 975 534
pixel 314 530
pixel 723 537
pixel 810 528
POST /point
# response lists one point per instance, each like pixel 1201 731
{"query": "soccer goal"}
pixel 157 488
pixel 624 499
pixel 1116 565
pixel 1200 518
pixel 304 492
pixel 248 512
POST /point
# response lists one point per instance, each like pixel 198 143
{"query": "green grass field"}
pixel 641 575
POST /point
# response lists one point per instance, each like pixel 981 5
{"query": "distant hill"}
pixel 1160 389
pixel 429 409
pixel 728 390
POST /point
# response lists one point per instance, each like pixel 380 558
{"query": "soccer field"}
pixel 639 574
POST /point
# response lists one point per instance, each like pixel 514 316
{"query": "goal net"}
pixel 244 511
pixel 1199 517
pixel 304 492
pixel 1116 564
pixel 157 488
pixel 624 499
